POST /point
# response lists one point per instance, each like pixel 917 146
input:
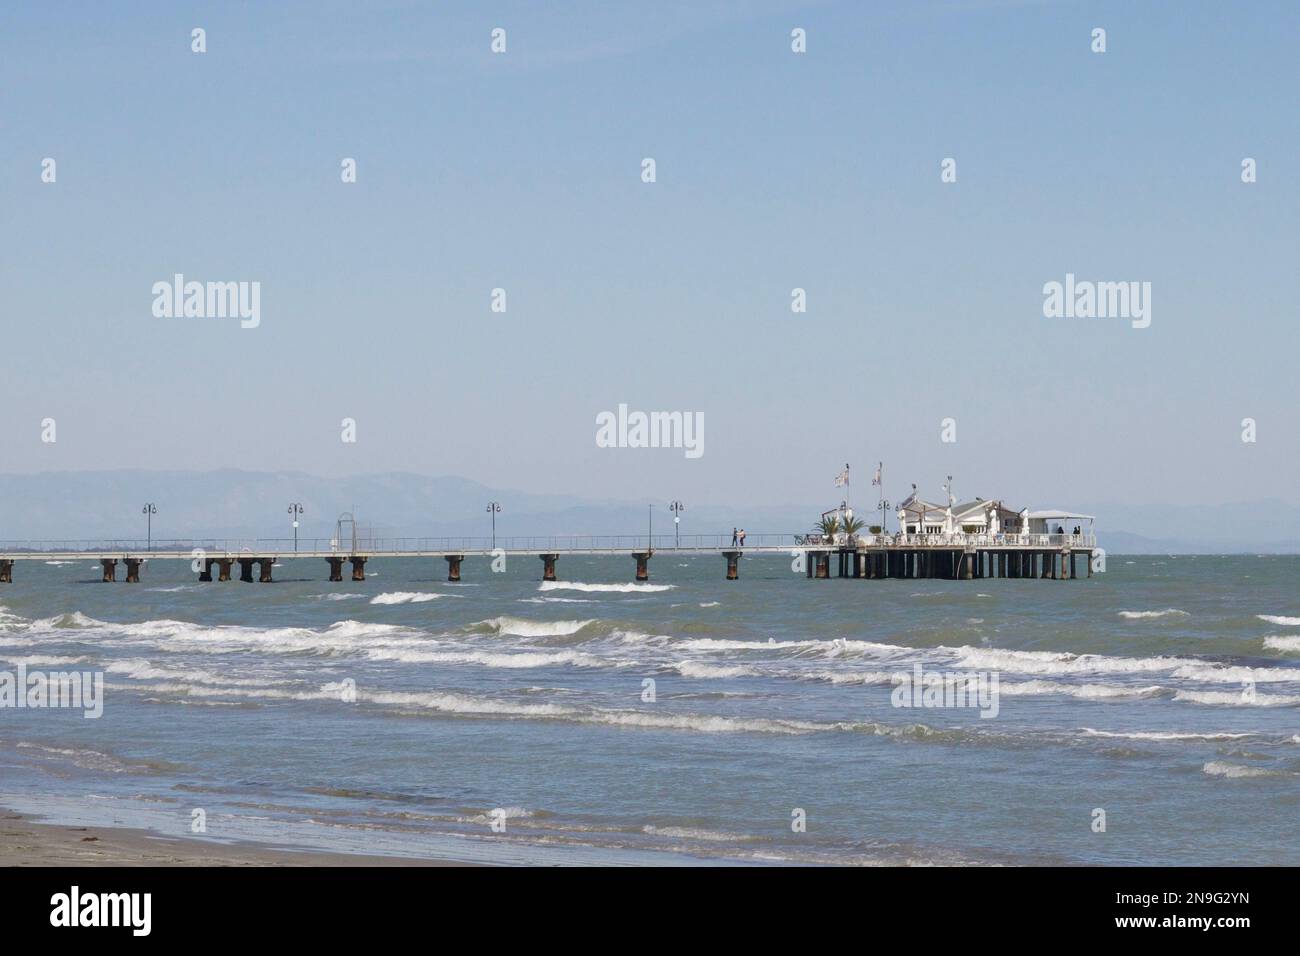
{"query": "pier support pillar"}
pixel 1068 572
pixel 264 566
pixel 453 566
pixel 6 572
pixel 823 564
pixel 110 568
pixel 733 565
pixel 223 568
pixel 548 566
pixel 246 570
pixel 133 570
pixel 358 568
pixel 642 565
pixel 206 573
pixel 336 568
pixel 1087 559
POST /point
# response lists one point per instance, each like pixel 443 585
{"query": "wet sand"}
pixel 26 843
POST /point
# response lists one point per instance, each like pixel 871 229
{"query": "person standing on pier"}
pixel 742 537
pixel 735 538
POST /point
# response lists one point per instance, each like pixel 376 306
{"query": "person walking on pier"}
pixel 742 537
pixel 735 538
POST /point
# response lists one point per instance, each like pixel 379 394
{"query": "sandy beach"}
pixel 26 843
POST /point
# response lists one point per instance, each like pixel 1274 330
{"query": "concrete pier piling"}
pixel 133 570
pixel 642 565
pixel 224 566
pixel 206 573
pixel 733 565
pixel 6 572
pixel 246 570
pixel 823 564
pixel 264 566
pixel 110 569
pixel 336 568
pixel 358 567
pixel 453 566
pixel 548 566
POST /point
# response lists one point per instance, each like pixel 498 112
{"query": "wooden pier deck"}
pixel 950 556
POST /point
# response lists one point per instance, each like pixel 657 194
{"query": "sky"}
pixel 775 170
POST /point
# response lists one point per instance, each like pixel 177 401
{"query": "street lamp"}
pixel 149 511
pixel 677 508
pixel 295 510
pixel 494 508
pixel 884 510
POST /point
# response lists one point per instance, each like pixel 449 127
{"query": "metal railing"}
pixel 557 544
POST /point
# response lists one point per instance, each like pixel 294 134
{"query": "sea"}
pixel 1149 714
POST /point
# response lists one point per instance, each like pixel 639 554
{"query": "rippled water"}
pixel 1164 692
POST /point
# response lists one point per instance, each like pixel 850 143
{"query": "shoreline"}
pixel 24 842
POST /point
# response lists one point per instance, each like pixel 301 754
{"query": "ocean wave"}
pixel 515 660
pixel 1276 619
pixel 1282 643
pixel 1221 768
pixel 1163 735
pixel 1141 615
pixel 520 627
pixel 696 833
pixel 718 671
pixel 1232 698
pixel 138 669
pixel 42 661
pixel 602 588
pixel 405 597
pixel 1063 662
pixel 1082 691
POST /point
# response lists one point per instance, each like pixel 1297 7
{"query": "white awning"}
pixel 1051 515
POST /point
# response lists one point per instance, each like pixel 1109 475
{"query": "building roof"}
pixel 1050 514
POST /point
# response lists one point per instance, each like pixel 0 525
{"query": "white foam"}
pixel 1140 615
pixel 1276 619
pixel 721 672
pixel 1221 768
pixel 1232 698
pixel 1282 643
pixel 695 833
pixel 523 628
pixel 1082 691
pixel 42 661
pixel 524 660
pixel 404 597
pixel 612 588
pixel 137 669
pixel 1063 662
pixel 1161 735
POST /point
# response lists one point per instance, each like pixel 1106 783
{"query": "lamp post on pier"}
pixel 494 508
pixel 295 510
pixel 149 511
pixel 677 508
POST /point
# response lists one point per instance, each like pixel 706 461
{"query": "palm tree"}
pixel 851 526
pixel 829 527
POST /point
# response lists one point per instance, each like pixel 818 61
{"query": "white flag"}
pixel 876 480
pixel 842 478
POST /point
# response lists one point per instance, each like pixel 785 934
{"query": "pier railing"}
pixel 557 544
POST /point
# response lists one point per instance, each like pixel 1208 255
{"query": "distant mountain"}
pixel 244 504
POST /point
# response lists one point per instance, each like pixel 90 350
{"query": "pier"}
pixel 957 557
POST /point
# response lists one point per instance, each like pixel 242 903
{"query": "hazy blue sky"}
pixel 775 171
